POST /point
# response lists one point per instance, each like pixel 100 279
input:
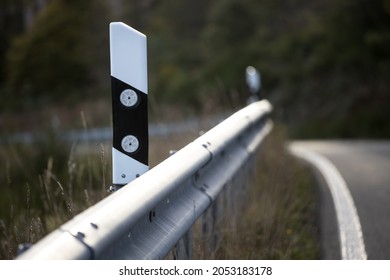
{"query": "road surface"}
pixel 364 167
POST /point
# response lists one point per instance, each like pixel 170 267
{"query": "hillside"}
pixel 324 64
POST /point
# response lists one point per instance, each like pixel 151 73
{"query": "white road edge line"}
pixel 350 231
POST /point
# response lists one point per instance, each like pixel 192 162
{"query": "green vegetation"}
pixel 53 60
pixel 325 64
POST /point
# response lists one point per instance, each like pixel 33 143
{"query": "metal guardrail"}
pixel 149 216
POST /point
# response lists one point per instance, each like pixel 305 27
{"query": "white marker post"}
pixel 253 80
pixel 129 81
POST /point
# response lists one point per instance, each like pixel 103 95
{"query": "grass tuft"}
pixel 59 181
pixel 280 217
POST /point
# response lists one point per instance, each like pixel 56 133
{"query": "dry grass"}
pixel 280 217
pixel 279 222
pixel 43 186
pixel 46 184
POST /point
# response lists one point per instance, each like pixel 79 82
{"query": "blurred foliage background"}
pixel 325 64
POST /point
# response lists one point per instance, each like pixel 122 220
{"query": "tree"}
pixel 58 55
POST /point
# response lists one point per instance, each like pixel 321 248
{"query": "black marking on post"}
pixel 130 121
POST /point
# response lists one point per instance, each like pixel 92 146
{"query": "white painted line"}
pixel 350 231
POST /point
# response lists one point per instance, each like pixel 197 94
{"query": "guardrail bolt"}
pixel 152 215
pixel 95 226
pixel 80 235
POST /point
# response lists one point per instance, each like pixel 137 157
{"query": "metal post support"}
pixel 128 59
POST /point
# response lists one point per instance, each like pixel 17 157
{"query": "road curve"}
pixel 364 169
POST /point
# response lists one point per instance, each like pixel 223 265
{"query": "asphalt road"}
pixel 365 168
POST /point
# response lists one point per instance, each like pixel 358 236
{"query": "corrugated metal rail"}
pixel 147 218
